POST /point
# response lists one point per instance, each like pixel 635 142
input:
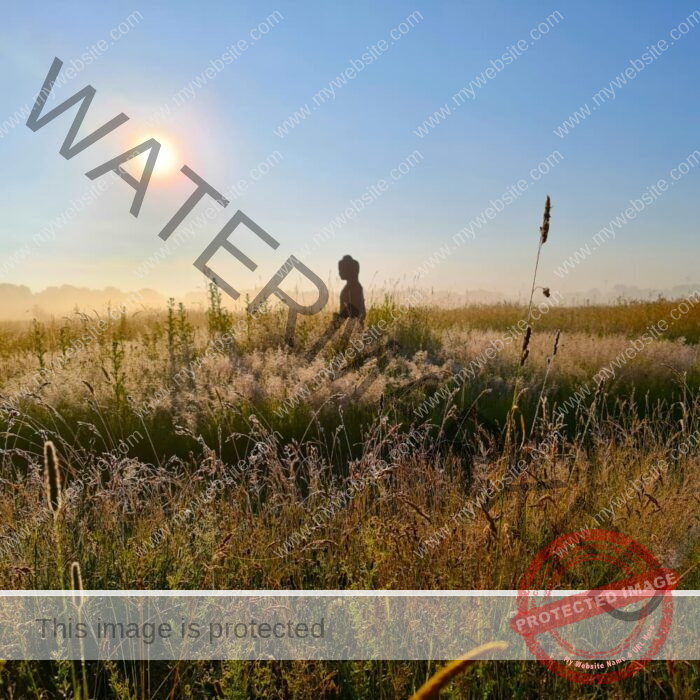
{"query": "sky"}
pixel 355 136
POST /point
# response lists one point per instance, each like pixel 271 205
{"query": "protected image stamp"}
pixel 632 575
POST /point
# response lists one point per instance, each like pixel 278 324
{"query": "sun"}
pixel 168 163
pixel 167 166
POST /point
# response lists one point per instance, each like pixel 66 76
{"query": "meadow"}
pixel 140 440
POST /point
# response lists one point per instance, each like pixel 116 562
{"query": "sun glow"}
pixel 169 161
pixel 168 164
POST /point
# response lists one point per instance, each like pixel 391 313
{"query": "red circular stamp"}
pixel 629 574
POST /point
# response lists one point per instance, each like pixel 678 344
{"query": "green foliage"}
pixel 38 342
pixel 218 318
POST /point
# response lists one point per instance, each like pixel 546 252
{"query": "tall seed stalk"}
pixel 550 362
pixel 53 488
pixel 76 580
pixel 525 352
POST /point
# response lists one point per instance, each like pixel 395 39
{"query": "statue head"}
pixel 349 269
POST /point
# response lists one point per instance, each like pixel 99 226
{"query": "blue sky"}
pixel 354 140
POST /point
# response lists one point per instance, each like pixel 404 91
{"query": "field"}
pixel 160 404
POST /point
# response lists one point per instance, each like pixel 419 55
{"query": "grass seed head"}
pixel 544 229
pixel 52 478
pixel 76 584
pixel 556 343
pixel 526 344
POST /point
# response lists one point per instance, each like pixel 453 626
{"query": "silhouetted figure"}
pixel 352 298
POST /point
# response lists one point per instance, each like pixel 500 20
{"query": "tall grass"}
pixel 132 486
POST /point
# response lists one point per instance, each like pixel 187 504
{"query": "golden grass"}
pixel 435 465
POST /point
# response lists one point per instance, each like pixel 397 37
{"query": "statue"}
pixel 352 298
